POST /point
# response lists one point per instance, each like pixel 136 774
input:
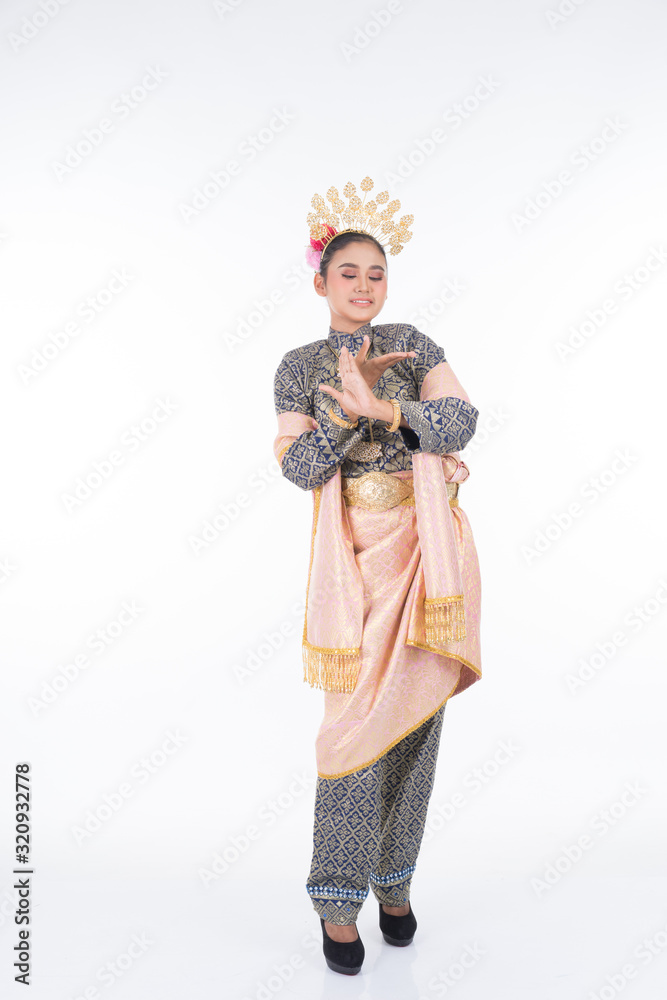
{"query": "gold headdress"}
pixel 358 216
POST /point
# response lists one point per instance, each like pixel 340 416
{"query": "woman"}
pixel 370 419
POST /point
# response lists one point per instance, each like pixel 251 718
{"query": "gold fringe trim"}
pixel 330 669
pixel 444 619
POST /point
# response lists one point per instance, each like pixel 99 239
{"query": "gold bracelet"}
pixel 339 420
pixel 397 415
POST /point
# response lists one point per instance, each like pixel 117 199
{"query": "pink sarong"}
pixel 399 685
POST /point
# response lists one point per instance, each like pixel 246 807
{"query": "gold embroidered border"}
pixel 442 652
pixel 398 740
pixel 324 668
pixel 408 501
pixel 317 493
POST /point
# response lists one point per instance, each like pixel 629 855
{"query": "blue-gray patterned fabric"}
pixel 369 826
pixel 440 425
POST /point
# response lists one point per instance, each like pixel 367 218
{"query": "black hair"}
pixel 339 242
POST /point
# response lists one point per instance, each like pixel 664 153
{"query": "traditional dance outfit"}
pixel 391 629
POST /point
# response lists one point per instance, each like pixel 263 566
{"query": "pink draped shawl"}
pixel 333 620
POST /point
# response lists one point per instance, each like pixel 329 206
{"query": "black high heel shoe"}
pixel 398 930
pixel 342 956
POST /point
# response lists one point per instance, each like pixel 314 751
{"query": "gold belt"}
pixel 380 491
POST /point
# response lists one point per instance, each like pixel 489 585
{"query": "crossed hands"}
pixel 358 376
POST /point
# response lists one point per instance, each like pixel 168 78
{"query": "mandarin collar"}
pixel 337 338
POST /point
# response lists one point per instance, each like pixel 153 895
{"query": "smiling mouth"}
pixel 361 302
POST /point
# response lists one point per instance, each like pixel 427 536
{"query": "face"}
pixel 355 286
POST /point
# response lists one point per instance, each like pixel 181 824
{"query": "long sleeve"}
pixel 437 425
pixel 311 458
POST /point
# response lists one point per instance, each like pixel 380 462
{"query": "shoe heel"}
pixel 396 942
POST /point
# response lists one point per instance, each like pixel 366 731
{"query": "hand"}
pixel 358 376
pixel 375 367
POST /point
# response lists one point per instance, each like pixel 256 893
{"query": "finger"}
pixel 330 391
pixel 363 350
pixel 391 359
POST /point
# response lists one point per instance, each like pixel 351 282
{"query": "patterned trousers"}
pixel 369 826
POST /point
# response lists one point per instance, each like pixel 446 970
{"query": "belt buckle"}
pixel 376 490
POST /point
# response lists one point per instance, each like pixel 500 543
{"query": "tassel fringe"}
pixel 330 669
pixel 338 669
pixel 444 619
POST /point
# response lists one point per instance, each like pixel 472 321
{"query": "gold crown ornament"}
pixel 358 216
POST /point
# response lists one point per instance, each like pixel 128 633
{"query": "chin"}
pixel 366 314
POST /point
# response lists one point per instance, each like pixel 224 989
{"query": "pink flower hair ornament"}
pixel 316 248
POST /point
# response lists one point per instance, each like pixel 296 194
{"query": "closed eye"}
pixel 354 276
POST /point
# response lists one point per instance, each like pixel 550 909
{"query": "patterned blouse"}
pixel 439 425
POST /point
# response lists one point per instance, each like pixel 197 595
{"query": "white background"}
pixel 194 658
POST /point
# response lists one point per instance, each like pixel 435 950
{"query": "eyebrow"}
pixel 376 267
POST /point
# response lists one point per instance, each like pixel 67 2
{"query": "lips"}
pixel 361 302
